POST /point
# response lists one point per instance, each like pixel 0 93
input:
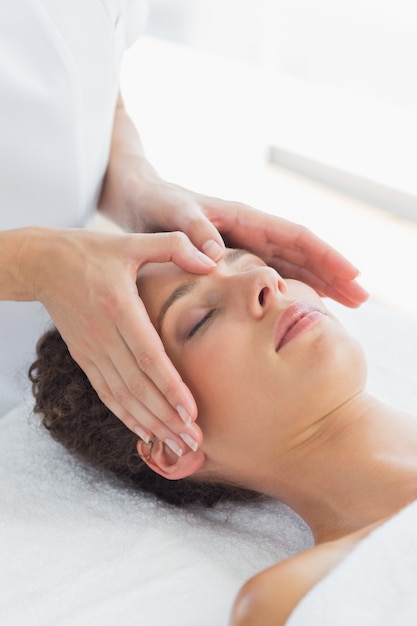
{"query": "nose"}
pixel 259 289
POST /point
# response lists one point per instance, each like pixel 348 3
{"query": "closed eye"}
pixel 200 324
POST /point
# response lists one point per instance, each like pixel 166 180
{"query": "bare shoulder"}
pixel 269 598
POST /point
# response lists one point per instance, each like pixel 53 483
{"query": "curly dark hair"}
pixel 76 417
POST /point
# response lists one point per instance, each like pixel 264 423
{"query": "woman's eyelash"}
pixel 200 323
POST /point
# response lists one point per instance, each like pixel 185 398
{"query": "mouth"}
pixel 297 318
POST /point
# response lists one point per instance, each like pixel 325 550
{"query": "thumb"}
pixel 171 246
pixel 191 220
pixel 206 237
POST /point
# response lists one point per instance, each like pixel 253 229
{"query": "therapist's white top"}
pixel 59 79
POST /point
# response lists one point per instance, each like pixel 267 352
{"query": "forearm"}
pixel 128 170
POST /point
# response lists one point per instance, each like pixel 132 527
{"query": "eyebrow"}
pixel 188 287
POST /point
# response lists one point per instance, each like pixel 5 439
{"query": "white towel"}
pixel 374 586
pixel 79 549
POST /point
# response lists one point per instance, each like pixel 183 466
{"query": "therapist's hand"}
pixel 288 247
pixel 135 197
pixel 87 282
pixel 293 250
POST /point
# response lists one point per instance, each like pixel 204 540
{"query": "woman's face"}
pixel 263 358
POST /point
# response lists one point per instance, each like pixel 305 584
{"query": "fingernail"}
pixel 184 415
pixel 212 249
pixel 191 443
pixel 174 446
pixel 142 434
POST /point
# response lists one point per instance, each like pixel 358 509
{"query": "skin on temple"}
pixel 295 423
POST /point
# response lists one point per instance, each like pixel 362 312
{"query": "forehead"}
pixel 169 272
pixel 155 281
pixel 159 271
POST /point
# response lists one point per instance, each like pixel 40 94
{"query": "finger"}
pixel 301 247
pixel 140 375
pixel 184 212
pixel 347 292
pixel 203 234
pixel 260 232
pixel 326 279
pixel 292 266
pixel 137 417
pixel 164 247
pixel 325 256
pixel 150 358
pixel 138 355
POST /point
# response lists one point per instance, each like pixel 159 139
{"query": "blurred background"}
pixel 303 108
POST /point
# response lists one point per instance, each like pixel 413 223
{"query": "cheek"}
pixel 225 375
pixel 246 393
pixel 247 388
pixel 331 370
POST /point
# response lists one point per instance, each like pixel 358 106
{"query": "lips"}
pixel 294 320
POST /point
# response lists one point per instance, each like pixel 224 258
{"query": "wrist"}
pixel 126 183
pixel 36 259
pixel 20 252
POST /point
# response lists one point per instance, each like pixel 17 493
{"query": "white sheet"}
pixel 374 586
pixel 78 549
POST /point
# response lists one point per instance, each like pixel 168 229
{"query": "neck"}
pixel 359 467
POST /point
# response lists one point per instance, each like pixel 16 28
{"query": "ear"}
pixel 165 462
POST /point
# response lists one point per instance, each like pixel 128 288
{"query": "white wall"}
pixel 340 83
